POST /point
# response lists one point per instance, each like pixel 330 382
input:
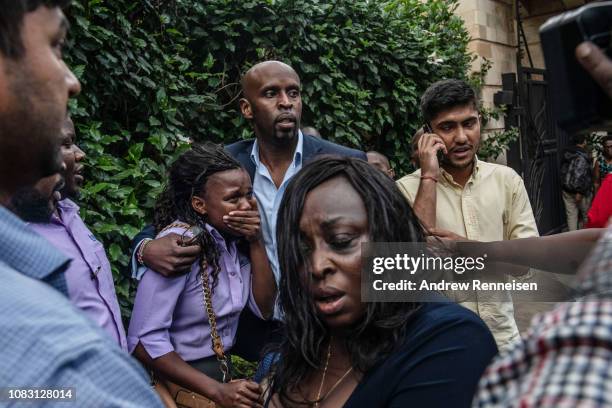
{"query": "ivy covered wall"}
pixel 158 72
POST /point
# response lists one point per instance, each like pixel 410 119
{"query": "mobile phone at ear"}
pixel 439 153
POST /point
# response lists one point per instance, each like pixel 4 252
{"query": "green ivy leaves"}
pixel 158 73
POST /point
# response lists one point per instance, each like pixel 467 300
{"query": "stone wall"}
pixel 533 16
pixel 491 26
pixel 493 30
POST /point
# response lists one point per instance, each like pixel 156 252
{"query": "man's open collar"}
pixel 448 178
pixel 67 210
pixel 297 155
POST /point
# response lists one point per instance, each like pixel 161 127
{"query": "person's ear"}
pixel 198 204
pixel 245 108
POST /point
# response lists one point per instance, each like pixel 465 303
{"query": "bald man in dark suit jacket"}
pixel 272 104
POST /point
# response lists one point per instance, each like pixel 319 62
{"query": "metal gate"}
pixel 535 156
pixel 541 142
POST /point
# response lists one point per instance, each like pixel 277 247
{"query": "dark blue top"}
pixel 446 350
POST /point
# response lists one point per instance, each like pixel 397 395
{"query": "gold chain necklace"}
pixel 318 401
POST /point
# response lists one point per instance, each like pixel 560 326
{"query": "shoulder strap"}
pixel 217 343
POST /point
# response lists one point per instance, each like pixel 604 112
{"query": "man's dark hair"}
pixel 11 20
pixel 578 138
pixel 444 95
pixel 608 138
pixel 381 329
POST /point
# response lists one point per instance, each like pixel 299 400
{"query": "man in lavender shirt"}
pixel 89 277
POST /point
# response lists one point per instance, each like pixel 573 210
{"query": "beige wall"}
pixel 531 26
pixel 491 26
pixel 533 17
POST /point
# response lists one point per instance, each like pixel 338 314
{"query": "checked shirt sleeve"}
pixel 565 359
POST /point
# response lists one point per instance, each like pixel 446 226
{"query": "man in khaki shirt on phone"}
pixel 457 196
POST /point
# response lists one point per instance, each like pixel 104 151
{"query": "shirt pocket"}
pixel 101 269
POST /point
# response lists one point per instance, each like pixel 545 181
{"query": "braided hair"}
pixel 187 177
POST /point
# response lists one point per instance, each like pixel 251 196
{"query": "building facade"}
pixel 494 29
pixel 506 33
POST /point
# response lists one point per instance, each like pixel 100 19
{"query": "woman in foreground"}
pixel 337 351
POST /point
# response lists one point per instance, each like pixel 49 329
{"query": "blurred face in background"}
pixel 607 149
pixel 72 157
pixel 381 163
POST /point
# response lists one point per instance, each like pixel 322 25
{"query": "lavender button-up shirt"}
pixel 89 277
pixel 169 313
